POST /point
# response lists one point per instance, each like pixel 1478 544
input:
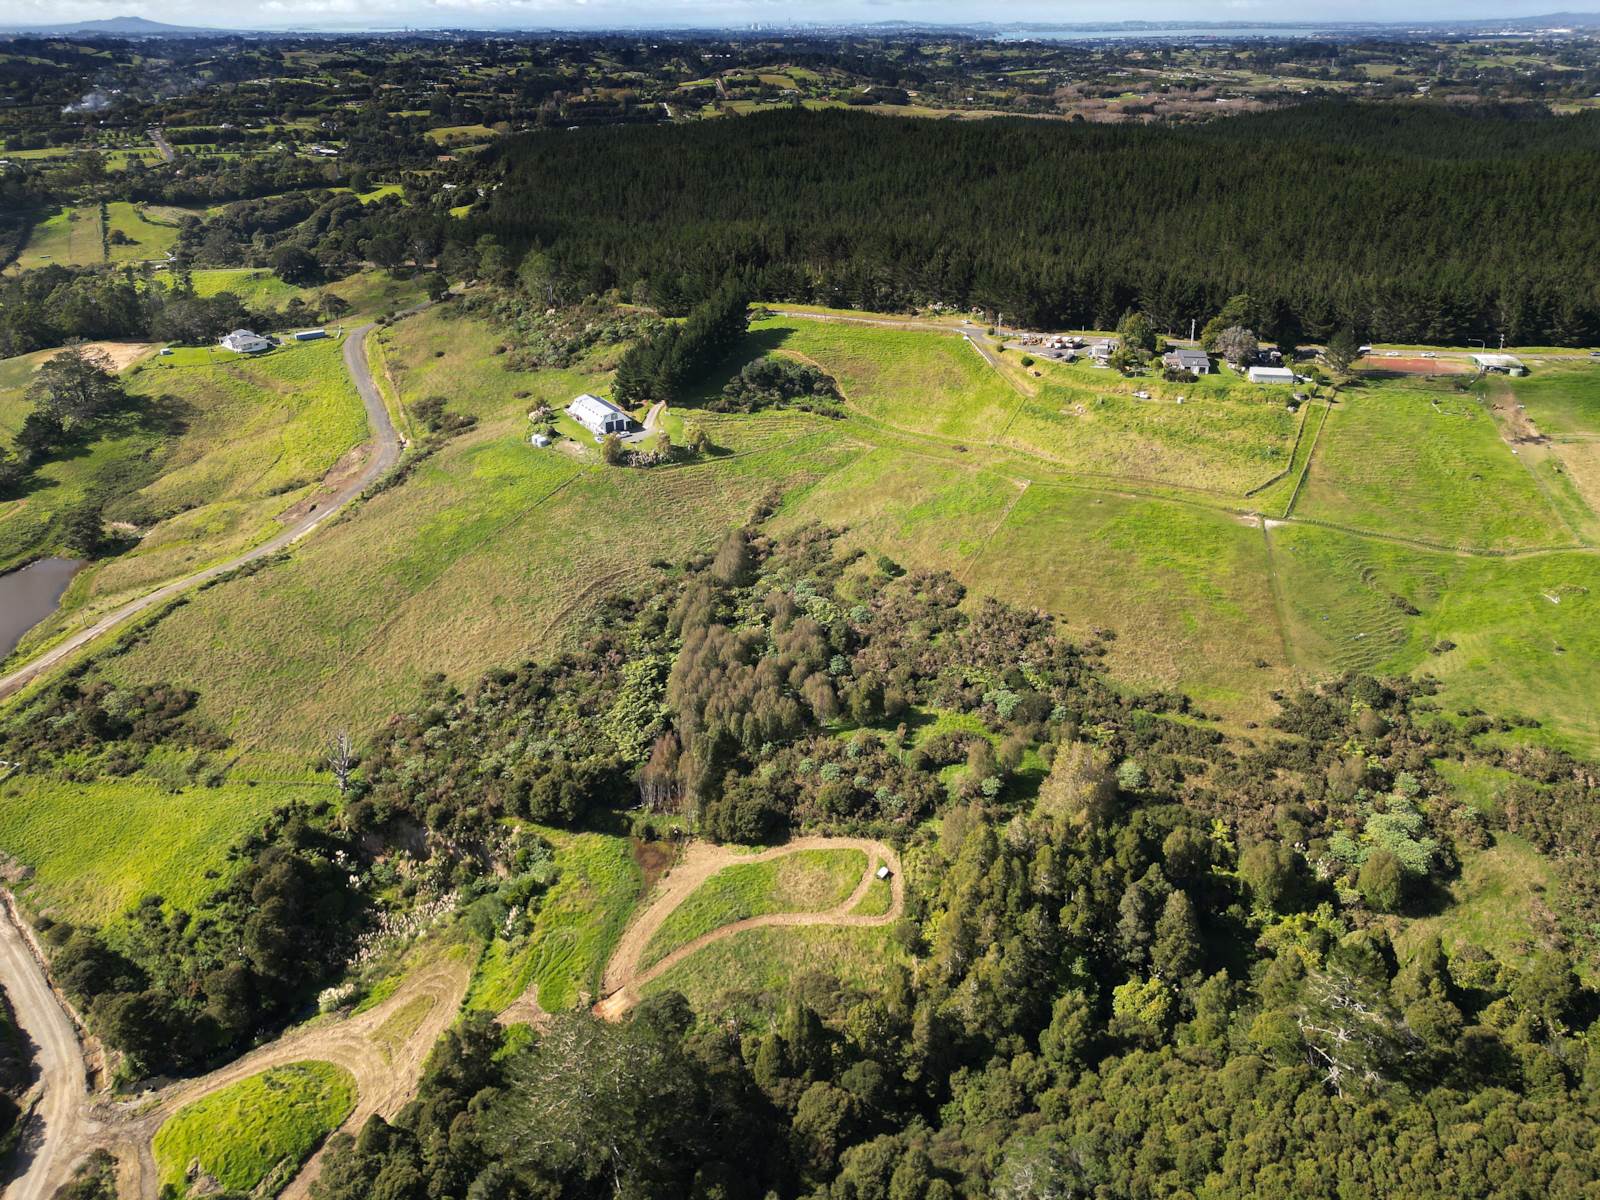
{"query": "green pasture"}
pixel 1525 631
pixel 148 240
pixel 94 849
pixel 266 1125
pixel 752 973
pixel 805 881
pixel 1184 589
pixel 1224 437
pixel 69 237
pixel 1563 400
pixel 926 383
pixel 1424 461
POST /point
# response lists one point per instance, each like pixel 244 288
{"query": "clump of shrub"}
pixel 773 382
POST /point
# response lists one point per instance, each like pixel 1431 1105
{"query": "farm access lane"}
pixel 53 1132
pixel 387 446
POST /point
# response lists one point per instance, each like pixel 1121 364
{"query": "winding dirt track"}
pixel 385 1062
pixel 624 978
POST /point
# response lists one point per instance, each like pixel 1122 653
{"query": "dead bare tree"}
pixel 342 760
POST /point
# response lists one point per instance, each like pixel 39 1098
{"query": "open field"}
pixel 1425 461
pixel 68 238
pixel 806 881
pixel 750 974
pixel 95 848
pixel 267 1123
pixel 923 382
pixel 1526 631
pixel 147 240
pixel 1221 438
pixel 369 293
pixel 1564 400
pixel 1185 589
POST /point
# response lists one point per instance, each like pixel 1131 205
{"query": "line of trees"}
pixel 661 364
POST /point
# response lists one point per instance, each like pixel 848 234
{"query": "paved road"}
pixel 163 147
pixel 387 445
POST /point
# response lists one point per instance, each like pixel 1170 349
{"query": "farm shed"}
pixel 1508 364
pixel 310 335
pixel 1271 375
pixel 598 416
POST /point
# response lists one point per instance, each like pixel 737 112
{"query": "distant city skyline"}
pixel 665 14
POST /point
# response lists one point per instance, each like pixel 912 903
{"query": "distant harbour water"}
pixel 1221 33
pixel 29 595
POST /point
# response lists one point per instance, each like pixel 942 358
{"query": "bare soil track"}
pixel 70 1121
pixel 624 979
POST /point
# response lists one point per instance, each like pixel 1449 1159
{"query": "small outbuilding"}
pixel 310 335
pixel 1504 364
pixel 883 872
pixel 242 341
pixel 540 441
pixel 599 417
pixel 1270 375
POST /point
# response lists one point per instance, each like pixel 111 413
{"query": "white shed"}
pixel 883 872
pixel 598 416
pixel 1510 364
pixel 1271 375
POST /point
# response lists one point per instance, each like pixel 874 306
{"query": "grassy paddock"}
pixel 69 237
pixel 753 971
pixel 244 1133
pixel 95 848
pixel 1525 631
pixel 1424 461
pixel 805 881
pixel 925 382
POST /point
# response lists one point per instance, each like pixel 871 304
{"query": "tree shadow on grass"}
pixel 755 344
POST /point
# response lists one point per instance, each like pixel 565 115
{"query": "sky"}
pixel 590 14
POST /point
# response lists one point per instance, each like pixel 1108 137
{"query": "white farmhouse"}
pixel 599 417
pixel 242 341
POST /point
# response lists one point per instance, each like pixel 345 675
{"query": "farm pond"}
pixel 29 595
